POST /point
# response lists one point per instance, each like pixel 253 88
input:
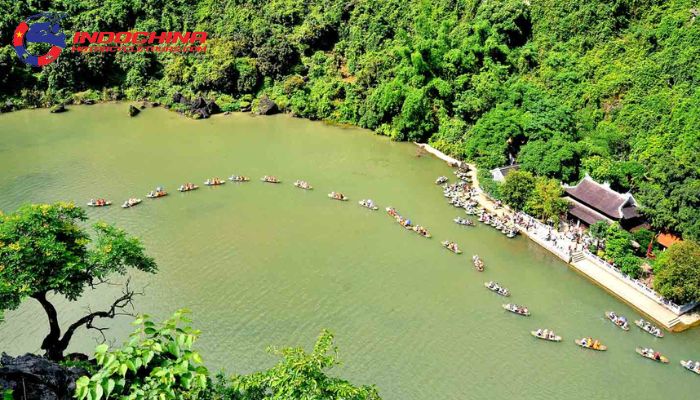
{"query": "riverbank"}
pixel 574 255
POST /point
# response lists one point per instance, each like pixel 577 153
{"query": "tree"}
pixel 678 272
pixel 546 201
pixel 157 362
pixel 618 243
pixel 517 189
pixel 43 249
pixel 299 375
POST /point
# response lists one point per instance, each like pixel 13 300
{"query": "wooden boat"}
pixel 496 288
pixel 651 354
pixel 462 221
pixel 131 203
pixel 691 366
pixel 187 188
pixel 601 347
pixel 516 309
pixel 337 196
pixel 303 185
pixel 478 263
pixel 421 231
pixel 214 182
pixel 238 178
pixel 552 338
pixel 270 179
pixel 440 180
pixel 618 320
pixel 649 328
pixel 368 204
pixel 99 203
pixel 157 194
pixel 451 246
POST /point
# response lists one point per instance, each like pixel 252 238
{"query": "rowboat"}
pixel 451 246
pixel 131 203
pixel 652 355
pixel 462 221
pixel 238 178
pixel 618 320
pixel 421 231
pixel 478 263
pixel 99 203
pixel 440 180
pixel 516 309
pixel 692 366
pixel 368 204
pixel 187 188
pixel 270 179
pixel 546 335
pixel 649 328
pixel 337 196
pixel 587 345
pixel 496 288
pixel 303 185
pixel 214 182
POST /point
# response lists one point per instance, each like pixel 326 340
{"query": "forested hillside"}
pixel 565 87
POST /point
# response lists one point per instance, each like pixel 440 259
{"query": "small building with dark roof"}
pixel 592 202
pixel 499 174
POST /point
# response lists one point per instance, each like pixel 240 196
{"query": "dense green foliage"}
pixel 678 272
pixel 44 249
pixel 608 87
pixel 538 196
pixel 517 189
pixel 158 360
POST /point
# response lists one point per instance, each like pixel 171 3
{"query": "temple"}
pixel 592 202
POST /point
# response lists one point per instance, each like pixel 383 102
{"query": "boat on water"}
pixel 303 185
pixel 337 196
pixel 463 221
pixel 238 178
pixel 516 309
pixel 131 203
pixel 368 204
pixel 270 179
pixel 546 334
pixel 592 344
pixel 214 182
pixel 187 187
pixel 99 203
pixel 478 263
pixel 451 246
pixel 159 192
pixel 652 355
pixel 649 328
pixel 422 231
pixel 618 320
pixel 692 366
pixel 496 288
pixel 440 180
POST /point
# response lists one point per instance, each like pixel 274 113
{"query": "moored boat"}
pixel 214 182
pixel 618 320
pixel 451 246
pixel 463 221
pixel 652 355
pixel 496 288
pixel 592 344
pixel 440 180
pixel 238 178
pixel 516 309
pixel 649 328
pixel 337 196
pixel 187 187
pixel 159 192
pixel 270 179
pixel 303 185
pixel 546 334
pixel 131 203
pixel 478 263
pixel 99 203
pixel 692 366
pixel 368 204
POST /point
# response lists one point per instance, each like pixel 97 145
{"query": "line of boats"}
pixel 406 223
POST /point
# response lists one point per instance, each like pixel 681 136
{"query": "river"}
pixel 263 265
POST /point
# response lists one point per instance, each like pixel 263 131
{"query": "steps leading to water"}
pixel 673 322
pixel 577 256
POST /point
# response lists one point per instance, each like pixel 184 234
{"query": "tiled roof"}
pixel 585 213
pixel 602 198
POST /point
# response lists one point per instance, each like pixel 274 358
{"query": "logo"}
pixel 46 32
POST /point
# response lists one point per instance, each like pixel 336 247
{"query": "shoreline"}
pixel 582 262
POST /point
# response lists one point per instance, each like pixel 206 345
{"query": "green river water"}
pixel 262 264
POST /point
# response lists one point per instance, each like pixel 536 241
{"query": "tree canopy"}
pixel 678 272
